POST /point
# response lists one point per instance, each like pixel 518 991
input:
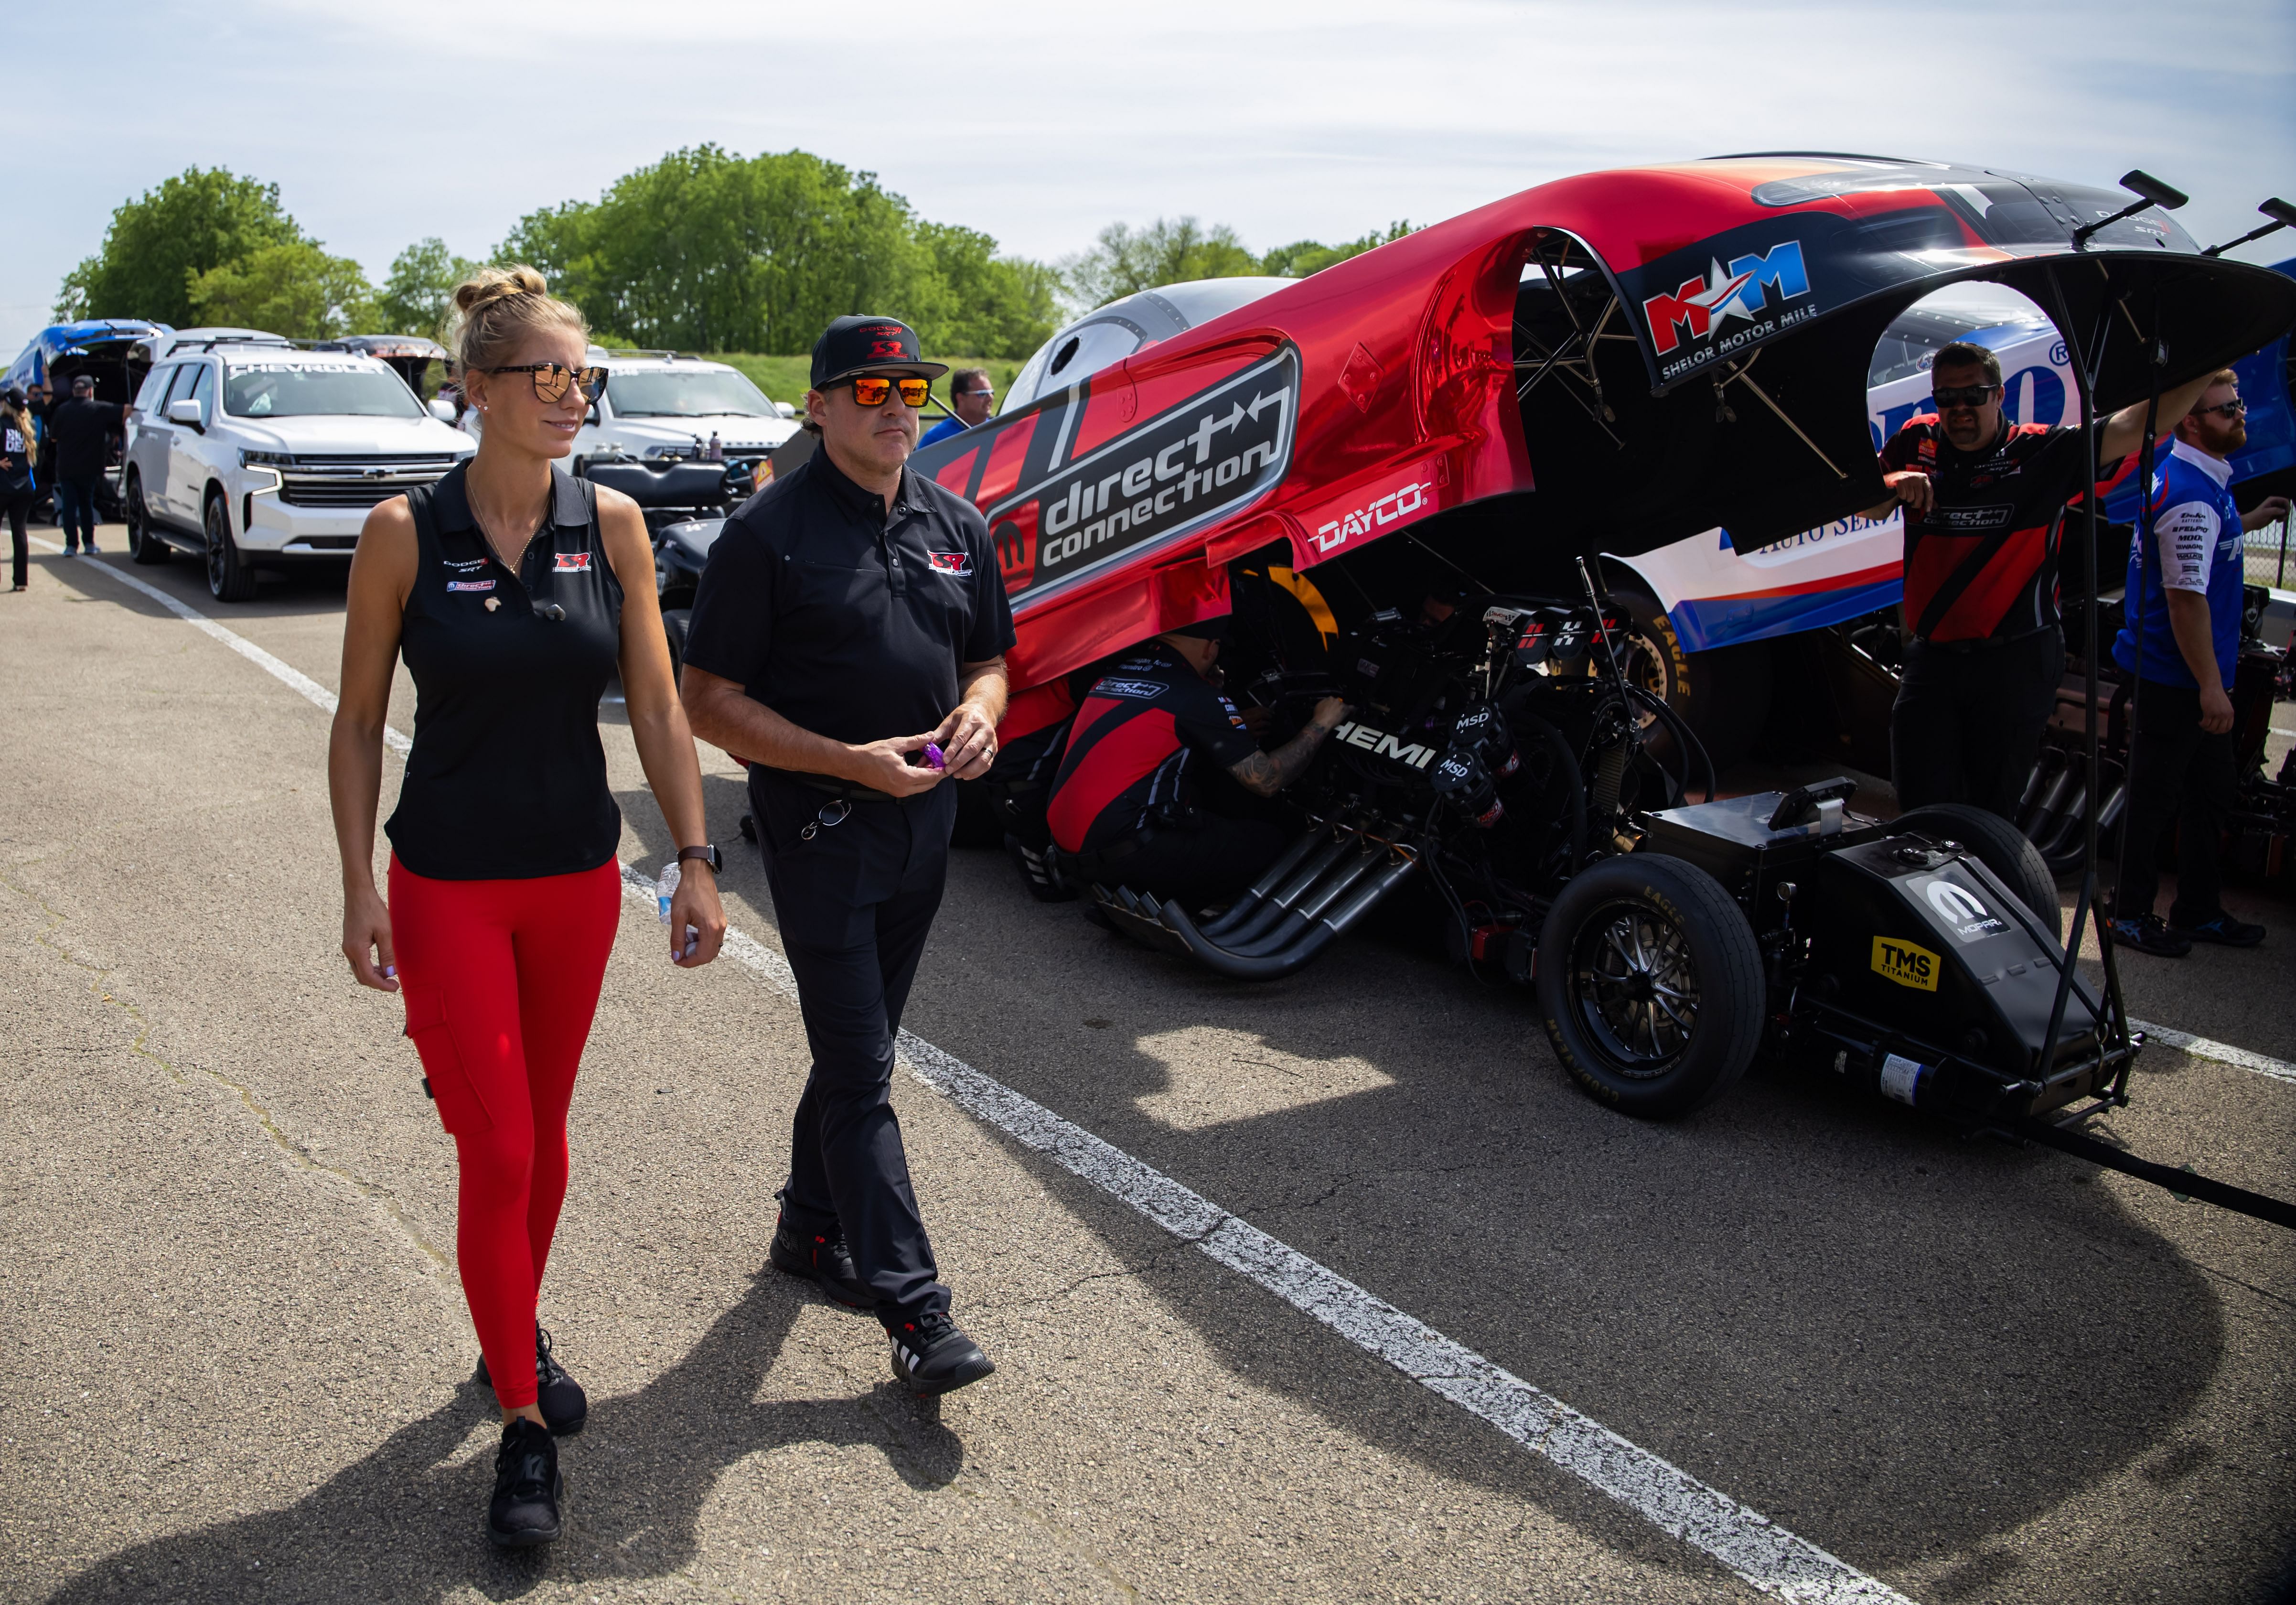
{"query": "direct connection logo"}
pixel 1908 963
pixel 1698 308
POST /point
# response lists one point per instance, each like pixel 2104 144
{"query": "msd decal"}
pixel 1699 309
pixel 1160 481
pixel 1404 502
pixel 573 563
pixel 959 564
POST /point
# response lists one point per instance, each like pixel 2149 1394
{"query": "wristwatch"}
pixel 709 854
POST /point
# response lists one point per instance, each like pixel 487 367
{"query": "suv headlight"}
pixel 266 459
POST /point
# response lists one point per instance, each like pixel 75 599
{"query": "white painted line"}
pixel 1772 1559
pixel 2223 1053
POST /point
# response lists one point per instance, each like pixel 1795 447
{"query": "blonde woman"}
pixel 515 593
pixel 18 445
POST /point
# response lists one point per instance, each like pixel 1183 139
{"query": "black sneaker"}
pixel 527 1487
pixel 563 1403
pixel 932 1357
pixel 2149 933
pixel 2224 930
pixel 825 1262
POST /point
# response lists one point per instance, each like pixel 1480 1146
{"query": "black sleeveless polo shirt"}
pixel 506 779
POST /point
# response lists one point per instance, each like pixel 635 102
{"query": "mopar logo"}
pixel 1379 744
pixel 1698 308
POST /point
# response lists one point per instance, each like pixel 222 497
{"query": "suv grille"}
pixel 322 481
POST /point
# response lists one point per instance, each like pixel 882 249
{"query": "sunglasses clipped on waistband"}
pixel 1965 395
pixel 552 378
pixel 870 390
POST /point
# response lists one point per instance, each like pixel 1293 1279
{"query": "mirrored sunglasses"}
pixel 870 390
pixel 552 378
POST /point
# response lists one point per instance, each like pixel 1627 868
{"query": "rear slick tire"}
pixel 2000 846
pixel 1650 985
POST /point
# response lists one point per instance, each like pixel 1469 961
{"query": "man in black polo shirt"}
pixel 1128 804
pixel 82 429
pixel 1985 501
pixel 847 641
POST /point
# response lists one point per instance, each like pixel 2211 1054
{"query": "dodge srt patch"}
pixel 573 563
pixel 1907 963
pixel 959 564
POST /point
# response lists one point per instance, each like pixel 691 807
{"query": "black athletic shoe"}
pixel 563 1403
pixel 2224 930
pixel 932 1357
pixel 825 1262
pixel 2149 933
pixel 527 1487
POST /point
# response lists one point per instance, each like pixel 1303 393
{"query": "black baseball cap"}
pixel 1214 629
pixel 860 344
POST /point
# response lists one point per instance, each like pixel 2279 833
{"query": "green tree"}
pixel 416 296
pixel 1124 260
pixel 294 289
pixel 988 305
pixel 157 244
pixel 1303 256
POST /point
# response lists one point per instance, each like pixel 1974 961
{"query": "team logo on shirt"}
pixel 573 563
pixel 1146 689
pixel 470 585
pixel 959 564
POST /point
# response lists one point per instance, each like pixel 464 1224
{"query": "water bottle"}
pixel 665 888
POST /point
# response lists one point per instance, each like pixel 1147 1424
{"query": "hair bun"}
pixel 491 284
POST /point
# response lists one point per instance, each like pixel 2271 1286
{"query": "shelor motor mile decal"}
pixel 1695 318
pixel 1183 469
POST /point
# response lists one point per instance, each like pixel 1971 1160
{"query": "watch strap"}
pixel 708 854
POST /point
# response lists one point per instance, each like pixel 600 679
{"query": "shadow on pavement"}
pixel 302 592
pixel 405 1523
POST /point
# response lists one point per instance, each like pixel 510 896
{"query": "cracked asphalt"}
pixel 235 1364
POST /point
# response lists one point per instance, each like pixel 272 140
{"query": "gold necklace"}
pixel 495 546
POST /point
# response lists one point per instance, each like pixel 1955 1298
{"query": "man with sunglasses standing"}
pixel 970 396
pixel 1985 503
pixel 2188 571
pixel 848 639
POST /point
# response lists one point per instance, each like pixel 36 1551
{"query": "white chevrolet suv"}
pixel 253 452
pixel 657 405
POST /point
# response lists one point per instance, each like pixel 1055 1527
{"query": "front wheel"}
pixel 144 542
pixel 229 579
pixel 1650 984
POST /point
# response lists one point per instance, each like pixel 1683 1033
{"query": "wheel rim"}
pixel 1647 667
pixel 217 539
pixel 1634 986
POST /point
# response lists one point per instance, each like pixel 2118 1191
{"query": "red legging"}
pixel 501 978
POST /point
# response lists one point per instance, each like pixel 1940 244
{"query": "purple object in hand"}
pixel 934 757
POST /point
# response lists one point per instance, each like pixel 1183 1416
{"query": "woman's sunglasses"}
pixel 871 391
pixel 550 379
pixel 1966 395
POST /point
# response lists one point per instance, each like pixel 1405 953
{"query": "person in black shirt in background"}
pixel 847 641
pixel 1985 502
pixel 82 429
pixel 18 443
pixel 1126 808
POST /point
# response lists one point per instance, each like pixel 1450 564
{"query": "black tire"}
pixel 144 544
pixel 2000 846
pixel 1723 695
pixel 229 579
pixel 674 623
pixel 1626 934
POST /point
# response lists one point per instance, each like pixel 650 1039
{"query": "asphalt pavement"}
pixel 235 1362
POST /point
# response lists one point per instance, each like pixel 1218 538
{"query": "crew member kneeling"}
pixel 1123 807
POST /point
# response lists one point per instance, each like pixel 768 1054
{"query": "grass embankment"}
pixel 785 378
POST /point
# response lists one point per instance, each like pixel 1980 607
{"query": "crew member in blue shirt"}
pixel 972 396
pixel 2188 574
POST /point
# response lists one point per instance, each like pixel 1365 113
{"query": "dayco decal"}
pixel 1700 307
pixel 1379 744
pixel 1180 471
pixel 1377 514
pixel 1907 963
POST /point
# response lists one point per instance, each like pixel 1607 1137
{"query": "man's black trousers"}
pixel 1967 724
pixel 2183 776
pixel 853 904
pixel 1207 862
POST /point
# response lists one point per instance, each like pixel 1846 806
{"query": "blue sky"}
pixel 1039 123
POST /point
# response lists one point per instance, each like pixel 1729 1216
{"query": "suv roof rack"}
pixel 643 351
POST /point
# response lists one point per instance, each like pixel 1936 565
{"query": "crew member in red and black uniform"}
pixel 1985 502
pixel 1129 805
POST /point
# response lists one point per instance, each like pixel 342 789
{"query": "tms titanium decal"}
pixel 1184 469
pixel 1698 308
pixel 1379 744
pixel 1908 963
pixel 1375 514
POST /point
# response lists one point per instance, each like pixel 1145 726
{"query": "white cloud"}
pixel 1040 122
